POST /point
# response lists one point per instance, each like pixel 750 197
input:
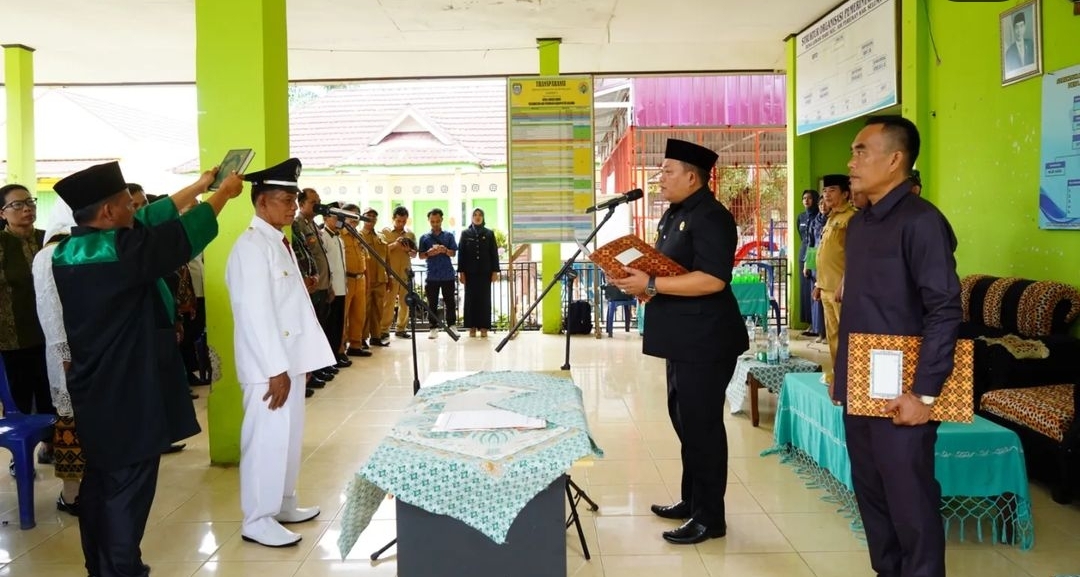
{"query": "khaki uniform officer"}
pixel 377 281
pixel 401 245
pixel 356 290
pixel 830 258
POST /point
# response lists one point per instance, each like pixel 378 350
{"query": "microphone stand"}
pixel 567 272
pixel 412 299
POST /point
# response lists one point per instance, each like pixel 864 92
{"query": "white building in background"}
pixel 74 131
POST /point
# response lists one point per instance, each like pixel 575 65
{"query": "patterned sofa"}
pixel 1027 366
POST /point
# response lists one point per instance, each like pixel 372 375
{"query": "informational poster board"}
pixel 551 158
pixel 1059 180
pixel 845 65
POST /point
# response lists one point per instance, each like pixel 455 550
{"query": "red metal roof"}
pixel 342 127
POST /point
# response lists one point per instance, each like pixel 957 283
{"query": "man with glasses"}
pixel 22 344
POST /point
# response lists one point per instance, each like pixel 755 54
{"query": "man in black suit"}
pixel 1021 52
pixel 900 279
pixel 694 323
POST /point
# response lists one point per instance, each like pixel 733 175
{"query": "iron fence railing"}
pixel 519 285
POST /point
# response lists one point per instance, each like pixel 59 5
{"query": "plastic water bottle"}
pixel 785 346
pixel 751 335
pixel 772 353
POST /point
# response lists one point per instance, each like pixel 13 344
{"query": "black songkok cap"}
pixel 691 153
pixel 91 185
pixel 840 180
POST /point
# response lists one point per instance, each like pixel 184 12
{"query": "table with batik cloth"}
pixel 755 375
pixel 482 478
pixel 980 465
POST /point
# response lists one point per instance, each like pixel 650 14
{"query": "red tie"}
pixel 285 241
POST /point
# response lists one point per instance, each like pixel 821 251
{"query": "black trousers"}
pixel 194 329
pixel 477 301
pixel 432 288
pixel 334 327
pixel 696 406
pixel 113 508
pixel 28 378
pixel 892 470
pixel 806 302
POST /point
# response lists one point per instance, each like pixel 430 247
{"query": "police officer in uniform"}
pixel 694 323
pixel 278 342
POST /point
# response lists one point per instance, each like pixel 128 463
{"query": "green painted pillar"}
pixel 551 253
pixel 19 84
pixel 915 65
pixel 241 74
pixel 799 179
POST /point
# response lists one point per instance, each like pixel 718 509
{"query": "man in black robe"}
pixel 126 380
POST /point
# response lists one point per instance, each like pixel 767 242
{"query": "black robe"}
pixel 127 381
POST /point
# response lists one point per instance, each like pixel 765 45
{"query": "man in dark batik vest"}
pixel 127 380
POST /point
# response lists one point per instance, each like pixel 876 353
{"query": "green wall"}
pixel 830 150
pixel 984 163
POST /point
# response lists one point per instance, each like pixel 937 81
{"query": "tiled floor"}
pixel 776 526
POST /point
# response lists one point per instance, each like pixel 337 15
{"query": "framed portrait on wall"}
pixel 1021 42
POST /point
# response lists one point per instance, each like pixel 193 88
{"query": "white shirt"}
pixel 335 256
pixel 51 317
pixel 275 328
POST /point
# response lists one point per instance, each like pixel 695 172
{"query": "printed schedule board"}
pixel 551 158
pixel 845 65
pixel 1059 167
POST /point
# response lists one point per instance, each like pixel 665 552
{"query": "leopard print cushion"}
pixel 966 285
pixel 1046 410
pixel 994 296
pixel 1035 315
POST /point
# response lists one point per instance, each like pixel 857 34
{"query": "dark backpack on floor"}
pixel 579 318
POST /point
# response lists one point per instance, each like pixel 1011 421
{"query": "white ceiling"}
pixel 142 41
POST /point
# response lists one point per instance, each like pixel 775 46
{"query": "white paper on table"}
pixel 485 420
pixel 886 373
pixel 628 256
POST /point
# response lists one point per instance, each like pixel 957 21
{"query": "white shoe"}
pixel 297 515
pixel 270 533
pixel 433 335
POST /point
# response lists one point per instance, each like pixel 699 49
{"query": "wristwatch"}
pixel 927 400
pixel 650 289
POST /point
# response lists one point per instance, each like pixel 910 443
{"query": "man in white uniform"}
pixel 278 341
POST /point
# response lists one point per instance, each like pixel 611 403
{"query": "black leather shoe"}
pixel 380 342
pixel 693 532
pixel 323 375
pixel 332 370
pixel 680 510
pixel 71 508
pixel 343 361
pixel 309 392
pixel 174 448
pixel 358 353
pixel 402 335
pixel 315 383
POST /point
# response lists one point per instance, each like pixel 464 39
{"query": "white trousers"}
pixel 270 443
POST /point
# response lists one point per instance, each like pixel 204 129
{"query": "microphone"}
pixel 327 210
pixel 621 199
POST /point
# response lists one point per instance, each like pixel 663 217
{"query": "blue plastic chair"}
pixel 19 434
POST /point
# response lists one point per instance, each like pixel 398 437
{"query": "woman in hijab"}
pixel 67 455
pixel 478 267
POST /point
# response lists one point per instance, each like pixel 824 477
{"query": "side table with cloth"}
pixel 980 465
pixel 484 479
pixel 755 375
